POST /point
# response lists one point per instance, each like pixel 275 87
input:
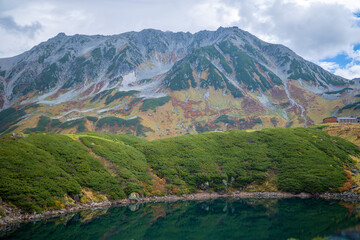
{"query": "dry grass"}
pixel 348 131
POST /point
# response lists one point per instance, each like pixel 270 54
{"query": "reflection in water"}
pixel 213 219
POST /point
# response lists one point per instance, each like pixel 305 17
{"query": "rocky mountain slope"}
pixel 159 84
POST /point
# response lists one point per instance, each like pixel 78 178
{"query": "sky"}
pixel 326 32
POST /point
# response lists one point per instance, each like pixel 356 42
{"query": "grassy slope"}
pixel 348 131
pixel 38 170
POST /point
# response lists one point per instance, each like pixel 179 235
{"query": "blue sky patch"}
pixel 357 15
pixel 342 59
pixel 357 47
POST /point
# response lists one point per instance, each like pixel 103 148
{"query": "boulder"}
pixel 134 196
pixel 224 182
pixel 204 186
pixel 76 198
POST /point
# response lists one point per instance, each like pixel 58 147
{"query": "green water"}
pixel 215 219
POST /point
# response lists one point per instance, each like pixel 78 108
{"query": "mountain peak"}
pixel 60 35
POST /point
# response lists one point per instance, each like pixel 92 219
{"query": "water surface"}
pixel 214 219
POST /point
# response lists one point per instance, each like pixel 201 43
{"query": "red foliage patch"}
pixel 278 94
pixel 88 91
pixel 348 184
pixel 99 86
pixel 189 111
pixel 1 101
pixel 252 106
pixel 57 94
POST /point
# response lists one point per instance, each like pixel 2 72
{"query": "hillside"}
pixel 349 131
pixel 52 171
pixel 161 84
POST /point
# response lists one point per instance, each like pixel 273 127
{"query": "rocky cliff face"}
pixel 170 83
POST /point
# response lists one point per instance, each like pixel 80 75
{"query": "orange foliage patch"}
pixel 158 186
pixel 175 191
pixel 58 204
pixel 348 184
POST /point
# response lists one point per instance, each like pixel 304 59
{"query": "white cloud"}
pixel 214 14
pixel 314 29
pixel 350 71
pixel 329 66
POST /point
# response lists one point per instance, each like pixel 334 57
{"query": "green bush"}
pixel 153 103
pixel 118 95
pixel 224 119
pixel 55 123
pixel 111 121
pixel 41 125
pixel 91 118
pixel 10 117
pixel 73 123
pixel 178 79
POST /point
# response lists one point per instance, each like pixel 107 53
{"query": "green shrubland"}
pixel 130 164
pixel 38 169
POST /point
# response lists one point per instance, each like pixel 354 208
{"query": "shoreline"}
pixel 17 217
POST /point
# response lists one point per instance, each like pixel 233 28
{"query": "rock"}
pixel 92 143
pixel 354 186
pixel 134 196
pixel 232 179
pixel 76 198
pixel 224 182
pixel 353 170
pixel 204 186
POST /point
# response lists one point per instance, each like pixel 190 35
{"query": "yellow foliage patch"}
pixel 89 195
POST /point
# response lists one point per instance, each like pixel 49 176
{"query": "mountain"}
pixel 159 84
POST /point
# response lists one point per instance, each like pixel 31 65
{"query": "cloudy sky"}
pixel 326 32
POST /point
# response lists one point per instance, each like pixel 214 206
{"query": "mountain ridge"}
pixel 227 65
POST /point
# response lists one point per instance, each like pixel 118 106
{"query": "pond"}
pixel 212 219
